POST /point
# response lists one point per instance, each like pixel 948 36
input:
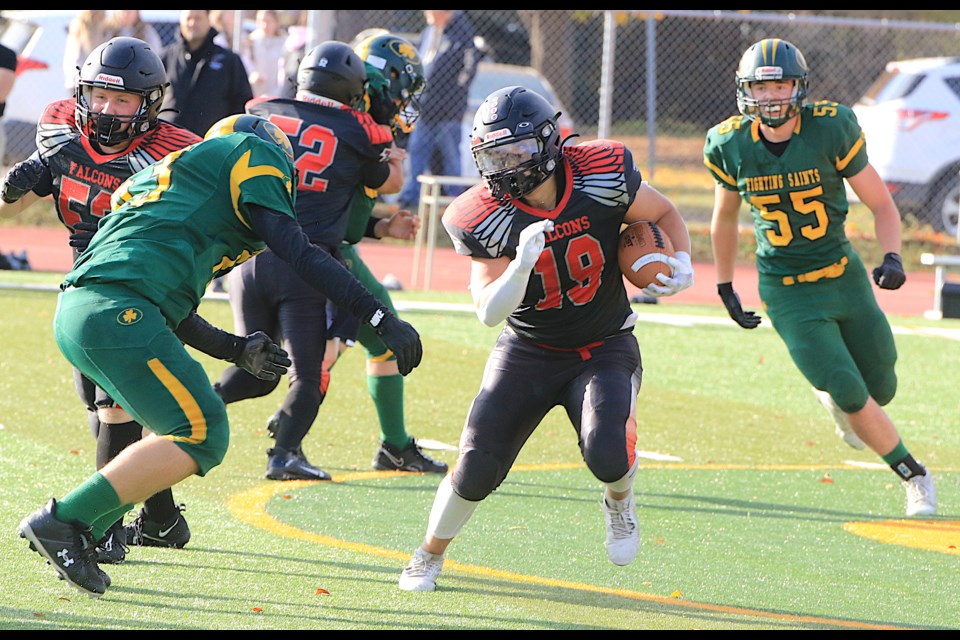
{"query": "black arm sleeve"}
pixel 317 267
pixel 203 336
pixel 371 226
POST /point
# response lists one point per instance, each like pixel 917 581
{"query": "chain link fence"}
pixel 657 80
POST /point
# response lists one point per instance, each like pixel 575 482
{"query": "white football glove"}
pixel 531 242
pixel 499 298
pixel 682 277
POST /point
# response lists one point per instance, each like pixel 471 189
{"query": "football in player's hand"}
pixel 643 252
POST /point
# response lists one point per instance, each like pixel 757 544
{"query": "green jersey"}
pixel 183 221
pixel 364 198
pixel 798 200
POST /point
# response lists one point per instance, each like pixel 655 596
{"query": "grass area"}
pixel 760 518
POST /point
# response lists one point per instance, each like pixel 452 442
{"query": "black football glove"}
pixel 746 319
pixel 400 337
pixel 262 357
pixel 82 234
pixel 21 178
pixel 890 274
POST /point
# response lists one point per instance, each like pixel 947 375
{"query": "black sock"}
pixel 160 507
pixel 114 438
pixel 907 467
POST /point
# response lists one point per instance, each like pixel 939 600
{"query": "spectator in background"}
pixel 127 22
pixel 450 63
pixel 294 49
pixel 266 54
pixel 224 21
pixel 8 75
pixel 207 81
pixel 86 32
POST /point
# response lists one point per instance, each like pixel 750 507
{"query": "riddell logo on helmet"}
pixel 106 78
pixel 769 73
pixel 496 135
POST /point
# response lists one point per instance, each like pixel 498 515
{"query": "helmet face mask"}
pixel 120 64
pixel 399 62
pixel 515 142
pixel 771 60
pixel 332 70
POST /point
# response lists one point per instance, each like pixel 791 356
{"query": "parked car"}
pixel 492 76
pixel 39 38
pixel 911 119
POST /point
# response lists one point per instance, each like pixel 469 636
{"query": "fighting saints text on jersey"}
pixel 776 181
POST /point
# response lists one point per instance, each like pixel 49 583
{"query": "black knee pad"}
pixel 605 454
pixel 477 474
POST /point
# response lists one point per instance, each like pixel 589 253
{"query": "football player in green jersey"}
pixel 789 161
pixel 175 226
pixel 395 80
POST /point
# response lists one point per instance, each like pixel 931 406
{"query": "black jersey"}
pixel 81 178
pixel 336 149
pixel 575 295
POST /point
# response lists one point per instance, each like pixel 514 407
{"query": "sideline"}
pixel 673 319
pixel 250 507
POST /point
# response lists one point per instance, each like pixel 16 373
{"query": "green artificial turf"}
pixel 749 504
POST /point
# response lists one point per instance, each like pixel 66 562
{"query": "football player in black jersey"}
pixel 87 146
pixel 337 147
pixel 542 232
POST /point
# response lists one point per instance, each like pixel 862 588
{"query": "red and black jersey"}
pixel 575 294
pixel 336 148
pixel 81 178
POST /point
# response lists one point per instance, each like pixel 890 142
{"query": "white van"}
pixel 911 119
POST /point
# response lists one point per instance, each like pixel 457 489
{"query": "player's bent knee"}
pixel 848 390
pixel 605 454
pixel 477 474
pixel 883 387
pixel 113 415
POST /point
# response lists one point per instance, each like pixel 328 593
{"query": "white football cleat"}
pixel 623 531
pixel 422 571
pixel 921 495
pixel 843 428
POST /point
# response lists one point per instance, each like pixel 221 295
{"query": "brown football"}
pixel 643 252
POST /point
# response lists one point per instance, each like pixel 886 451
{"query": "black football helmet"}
pixel 515 141
pixel 399 62
pixel 332 70
pixel 771 59
pixel 248 123
pixel 121 64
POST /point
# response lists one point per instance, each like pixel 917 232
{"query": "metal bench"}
pixel 942 262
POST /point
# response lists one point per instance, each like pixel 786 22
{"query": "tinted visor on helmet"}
pixel 512 155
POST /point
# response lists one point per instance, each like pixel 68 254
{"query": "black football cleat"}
pixel 112 548
pixel 410 458
pixel 144 532
pixel 68 547
pixel 292 465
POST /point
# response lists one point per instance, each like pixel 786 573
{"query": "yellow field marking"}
pixel 942 536
pixel 250 507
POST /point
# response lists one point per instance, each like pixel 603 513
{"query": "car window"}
pixel 892 85
pixel 954 84
pixel 486 82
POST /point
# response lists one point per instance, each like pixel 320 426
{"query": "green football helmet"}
pixel 771 59
pixel 399 62
pixel 248 123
